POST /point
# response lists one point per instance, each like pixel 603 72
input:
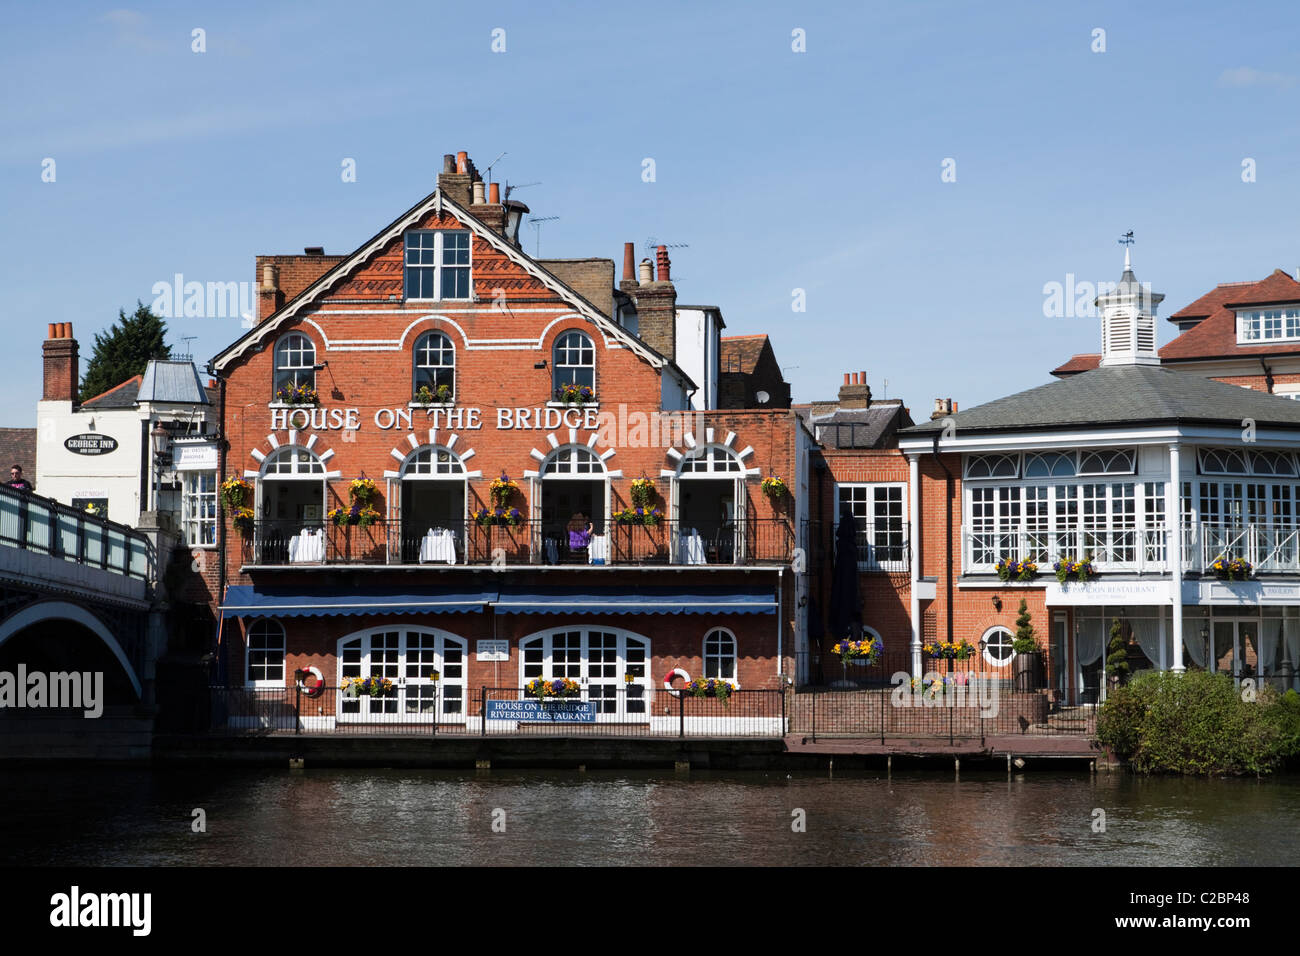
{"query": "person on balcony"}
pixel 580 530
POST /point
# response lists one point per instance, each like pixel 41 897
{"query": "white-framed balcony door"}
pixel 600 659
pixel 408 656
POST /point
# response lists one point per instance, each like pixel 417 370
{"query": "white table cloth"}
pixel 307 547
pixel 692 548
pixel 598 549
pixel 438 547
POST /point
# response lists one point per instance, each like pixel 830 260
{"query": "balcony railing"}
pixel 534 543
pixel 882 549
pixel 1268 548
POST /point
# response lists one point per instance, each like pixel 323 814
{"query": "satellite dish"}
pixel 762 397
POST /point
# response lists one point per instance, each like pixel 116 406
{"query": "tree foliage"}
pixel 124 350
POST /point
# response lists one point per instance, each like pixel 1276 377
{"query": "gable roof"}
pixel 1215 336
pixel 1122 394
pixel 870 427
pixel 436 202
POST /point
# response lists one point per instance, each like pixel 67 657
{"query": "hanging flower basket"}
pixel 644 493
pixel 235 493
pixel 243 521
pixel 362 491
pixel 774 487
pixel 502 490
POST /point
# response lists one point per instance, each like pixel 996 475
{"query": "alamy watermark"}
pixel 945 690
pixel 202 300
pixel 60 690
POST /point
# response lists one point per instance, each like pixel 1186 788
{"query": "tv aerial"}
pixel 487 170
pixel 536 223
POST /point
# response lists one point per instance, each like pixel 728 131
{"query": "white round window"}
pixel 997 646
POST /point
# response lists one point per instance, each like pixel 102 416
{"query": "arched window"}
pixel 292 461
pixel 266 653
pixel 720 654
pixel 572 461
pixel 992 466
pixel 1049 464
pixel 997 646
pixel 1107 461
pixel 433 461
pixel 711 460
pixel 435 366
pixel 295 363
pixel 574 362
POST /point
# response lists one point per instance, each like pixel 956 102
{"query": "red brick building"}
pixel 439 358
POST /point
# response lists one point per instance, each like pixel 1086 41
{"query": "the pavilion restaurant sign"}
pixel 1109 592
pixel 469 418
pixel 90 443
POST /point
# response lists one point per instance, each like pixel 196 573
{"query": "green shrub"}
pixel 1198 723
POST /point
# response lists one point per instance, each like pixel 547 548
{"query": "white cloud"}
pixel 1244 76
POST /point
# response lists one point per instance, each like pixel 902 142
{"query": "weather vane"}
pixel 1126 239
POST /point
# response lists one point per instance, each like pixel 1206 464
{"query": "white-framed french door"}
pixel 611 664
pixel 408 656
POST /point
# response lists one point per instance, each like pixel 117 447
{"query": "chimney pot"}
pixel 646 272
pixel 479 198
pixel 314 250
pixel 629 262
pixel 268 277
pixel 51 335
pixel 65 330
pixel 448 163
pixel 661 254
pixel 846 378
pixel 462 162
pixel 494 194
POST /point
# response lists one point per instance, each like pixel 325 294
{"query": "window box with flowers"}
pixel 863 652
pixel 561 688
pixel 362 515
pixel 1068 569
pixel 1231 569
pixel 296 395
pixel 424 395
pixel 642 516
pixel 711 687
pixel 950 650
pixel 367 687
pixel 1009 570
pixel 571 393
pixel 506 517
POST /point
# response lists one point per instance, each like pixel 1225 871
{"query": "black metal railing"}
pixel 45 526
pixel 430 708
pixel 535 542
pixel 883 549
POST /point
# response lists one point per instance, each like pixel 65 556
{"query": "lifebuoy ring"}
pixel 311 690
pixel 668 680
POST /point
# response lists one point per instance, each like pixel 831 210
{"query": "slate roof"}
pixel 1123 394
pixel 856 427
pixel 18 447
pixel 119 396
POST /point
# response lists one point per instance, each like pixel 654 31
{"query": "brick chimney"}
pixel 943 407
pixel 457 178
pixel 488 208
pixel 61 365
pixel 270 298
pixel 656 306
pixel 629 281
pixel 855 392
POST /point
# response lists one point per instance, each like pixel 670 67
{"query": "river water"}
pixel 107 816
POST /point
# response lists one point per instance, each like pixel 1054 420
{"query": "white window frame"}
pixel 1276 323
pixel 405 665
pixel 1011 637
pixel 291 362
pixel 199 508
pixel 734 656
pixel 589 346
pixel 867 535
pixel 437 265
pixel 417 366
pixel 579 668
pixel 263 623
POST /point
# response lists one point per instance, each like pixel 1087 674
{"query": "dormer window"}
pixel 1268 325
pixel 437 264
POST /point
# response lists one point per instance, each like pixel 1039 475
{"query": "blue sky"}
pixel 779 170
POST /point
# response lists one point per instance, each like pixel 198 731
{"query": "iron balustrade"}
pixel 528 542
pixel 430 708
pixel 884 549
pixel 44 526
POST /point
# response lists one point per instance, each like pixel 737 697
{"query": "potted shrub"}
pixel 1028 663
pixel 1116 654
